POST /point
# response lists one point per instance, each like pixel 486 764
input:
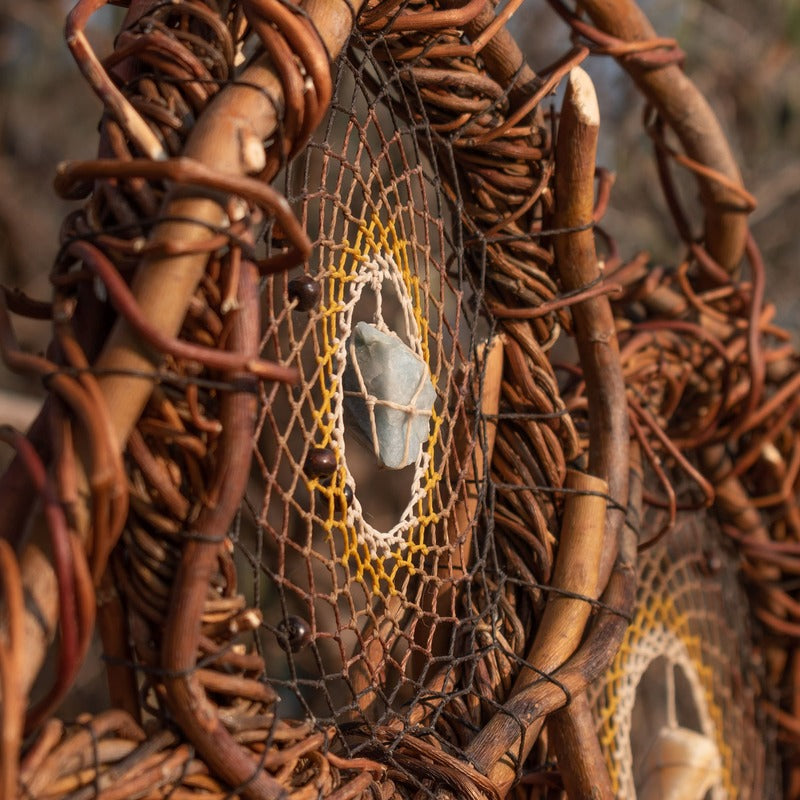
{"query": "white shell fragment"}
pixel 388 394
pixel 682 764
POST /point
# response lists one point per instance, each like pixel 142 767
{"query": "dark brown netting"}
pixel 353 413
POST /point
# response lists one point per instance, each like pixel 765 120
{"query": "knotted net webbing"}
pixel 411 618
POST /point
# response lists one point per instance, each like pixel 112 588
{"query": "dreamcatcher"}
pixel 356 286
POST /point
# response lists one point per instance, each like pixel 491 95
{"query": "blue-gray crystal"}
pixel 391 374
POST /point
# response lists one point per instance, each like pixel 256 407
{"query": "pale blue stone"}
pixel 393 373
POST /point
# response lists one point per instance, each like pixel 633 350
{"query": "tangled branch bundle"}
pixel 377 469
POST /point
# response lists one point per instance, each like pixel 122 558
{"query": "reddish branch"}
pixel 688 113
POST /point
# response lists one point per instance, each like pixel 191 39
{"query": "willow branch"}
pixel 680 102
pixel 164 286
pixel 592 533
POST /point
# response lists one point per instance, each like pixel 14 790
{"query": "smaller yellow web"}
pixel 376 568
pixel 656 613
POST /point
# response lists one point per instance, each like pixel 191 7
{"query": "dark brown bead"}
pixel 348 494
pixel 306 291
pixel 320 463
pixel 294 633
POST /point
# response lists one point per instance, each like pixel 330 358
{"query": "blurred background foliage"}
pixel 743 54
pixel 47 114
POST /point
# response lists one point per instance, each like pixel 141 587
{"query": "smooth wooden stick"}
pixel 598 349
pixel 595 330
pixel 576 572
pixel 576 744
pixel 490 362
pixel 581 762
pixel 565 617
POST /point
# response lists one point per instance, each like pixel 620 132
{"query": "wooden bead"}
pixel 711 563
pixel 294 633
pixel 306 291
pixel 320 463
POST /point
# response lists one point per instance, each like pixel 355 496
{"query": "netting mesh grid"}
pixel 374 581
pixel 684 666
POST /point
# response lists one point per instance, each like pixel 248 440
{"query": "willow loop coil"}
pixel 379 471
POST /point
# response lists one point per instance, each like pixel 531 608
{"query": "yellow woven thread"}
pixel 371 239
pixel 660 613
